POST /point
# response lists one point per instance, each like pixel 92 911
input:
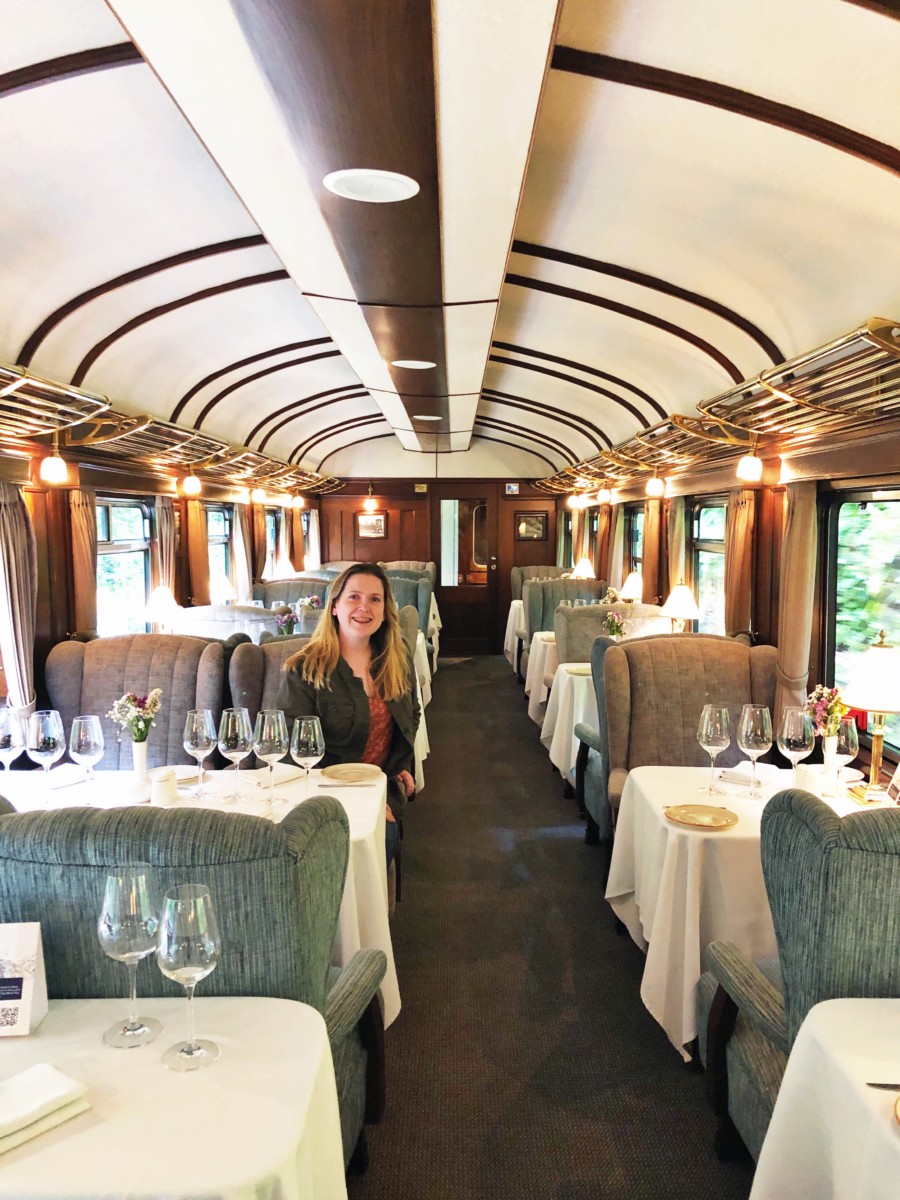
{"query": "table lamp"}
pixel 680 607
pixel 874 686
pixel 583 569
pixel 632 588
pixel 162 608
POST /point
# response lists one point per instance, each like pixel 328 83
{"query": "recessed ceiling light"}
pixel 413 364
pixel 425 417
pixel 371 186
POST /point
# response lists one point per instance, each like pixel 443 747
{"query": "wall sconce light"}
pixel 632 588
pixel 258 496
pixel 750 467
pixel 604 496
pixel 680 607
pixel 191 485
pixel 53 469
pixel 298 502
pixel 656 487
pixel 370 504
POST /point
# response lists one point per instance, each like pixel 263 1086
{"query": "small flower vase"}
pixel 140 783
pixel 830 773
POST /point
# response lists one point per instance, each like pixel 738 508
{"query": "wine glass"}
pixel 714 735
pixel 847 747
pixel 754 737
pixel 46 741
pixel 796 737
pixel 129 920
pixel 86 745
pixel 199 741
pixel 235 742
pixel 187 951
pixel 12 737
pixel 307 744
pixel 270 742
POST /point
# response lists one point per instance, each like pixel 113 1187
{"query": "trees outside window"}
pixel 123 565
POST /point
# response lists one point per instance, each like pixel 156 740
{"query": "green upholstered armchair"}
pixel 519 575
pixel 834 891
pixel 542 597
pixel 88 677
pixel 53 867
pixel 592 763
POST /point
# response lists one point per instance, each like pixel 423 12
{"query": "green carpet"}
pixel 523 1064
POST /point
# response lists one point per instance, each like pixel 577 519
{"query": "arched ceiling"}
pixel 625 208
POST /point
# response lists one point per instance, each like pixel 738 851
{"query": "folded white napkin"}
pixel 65 775
pixel 741 773
pixel 37 1099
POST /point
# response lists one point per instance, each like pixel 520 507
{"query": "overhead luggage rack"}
pixel 31 406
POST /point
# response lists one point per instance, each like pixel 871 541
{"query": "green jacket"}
pixel 343 710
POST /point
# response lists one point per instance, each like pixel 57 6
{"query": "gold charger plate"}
pixel 578 669
pixel 351 772
pixel 702 816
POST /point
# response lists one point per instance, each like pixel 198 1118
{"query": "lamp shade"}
pixel 656 487
pixel 750 469
pixel 632 588
pixel 874 683
pixel 53 469
pixel 583 570
pixel 162 607
pixel 681 605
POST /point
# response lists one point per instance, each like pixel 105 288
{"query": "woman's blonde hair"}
pixel 318 659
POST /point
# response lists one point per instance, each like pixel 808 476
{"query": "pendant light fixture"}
pixel 191 485
pixel 656 487
pixel 750 468
pixel 53 468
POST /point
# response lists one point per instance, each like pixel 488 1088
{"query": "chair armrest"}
pixel 5 807
pixel 349 998
pixel 758 1000
pixel 589 736
pixel 614 787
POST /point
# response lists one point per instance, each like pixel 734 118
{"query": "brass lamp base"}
pixel 875 793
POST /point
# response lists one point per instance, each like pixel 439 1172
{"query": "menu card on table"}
pixel 23 984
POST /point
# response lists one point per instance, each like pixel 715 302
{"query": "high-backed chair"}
pixel 289 591
pixel 542 597
pixel 519 575
pixel 53 867
pixel 255 672
pixel 222 620
pixel 88 677
pixel 834 890
pixel 415 566
pixel 415 591
pixel 409 625
pixel 576 628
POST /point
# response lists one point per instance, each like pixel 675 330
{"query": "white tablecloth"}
pixel 435 626
pixel 363 920
pixel 542 660
pixel 261 1121
pixel 423 671
pixel 572 701
pixel 514 622
pixel 422 746
pixel 830 1135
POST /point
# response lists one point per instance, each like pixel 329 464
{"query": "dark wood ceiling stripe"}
pixel 581 425
pixel 641 279
pixel 577 366
pixel 67 66
pixel 376 437
pixel 243 362
pixel 731 99
pixel 295 405
pixel 516 446
pixel 548 443
pixel 163 264
pixel 164 309
pixel 634 314
pixel 266 371
pixel 401 332
pixel 329 431
pixel 582 383
pixel 305 412
pixel 886 8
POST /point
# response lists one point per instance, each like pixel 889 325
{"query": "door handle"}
pixel 493 566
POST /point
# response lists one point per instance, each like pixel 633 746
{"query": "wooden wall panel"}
pixel 407 529
pixel 511 553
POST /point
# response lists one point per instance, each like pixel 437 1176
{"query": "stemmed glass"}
pixel 796 737
pixel 199 741
pixel 46 742
pixel 187 952
pixel 86 745
pixel 235 742
pixel 714 735
pixel 129 920
pixel 847 747
pixel 307 744
pixel 12 737
pixel 754 737
pixel 270 742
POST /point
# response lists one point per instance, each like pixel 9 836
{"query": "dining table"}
pixel 363 922
pixel 543 660
pixel 677 887
pixel 262 1120
pixel 572 701
pixel 515 625
pixel 831 1134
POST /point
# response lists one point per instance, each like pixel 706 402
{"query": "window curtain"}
pixel 579 534
pixel 616 546
pixel 83 526
pixel 739 524
pixel 285 543
pixel 676 541
pixel 18 597
pixel 654 569
pixel 164 543
pixel 313 558
pixel 242 553
pixel 198 552
pixel 258 522
pixel 297 551
pixel 601 551
pixel 561 517
pixel 795 606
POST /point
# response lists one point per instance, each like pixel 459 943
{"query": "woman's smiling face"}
pixel 359 610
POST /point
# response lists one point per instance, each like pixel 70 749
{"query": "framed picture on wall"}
pixel 371 524
pixel 531 527
pixel 512 489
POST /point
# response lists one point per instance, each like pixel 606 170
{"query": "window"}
pixel 708 561
pixel 593 524
pixel 218 536
pixel 272 516
pixel 862 595
pixel 634 536
pixel 565 535
pixel 123 565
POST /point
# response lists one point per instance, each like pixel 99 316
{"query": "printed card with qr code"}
pixel 23 985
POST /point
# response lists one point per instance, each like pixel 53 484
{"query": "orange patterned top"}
pixel 380 732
